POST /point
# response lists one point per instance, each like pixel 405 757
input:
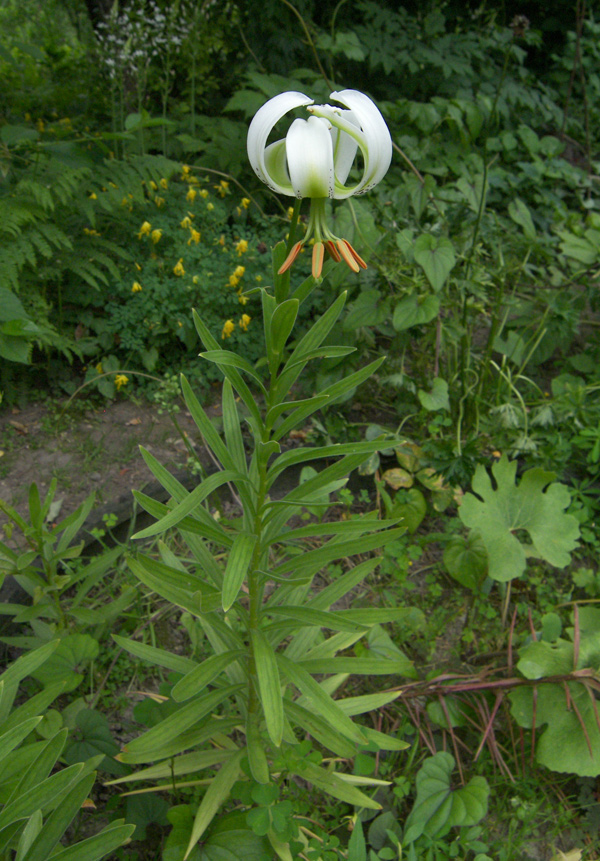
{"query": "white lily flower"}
pixel 315 159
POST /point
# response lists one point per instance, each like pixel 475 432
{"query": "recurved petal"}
pixel 344 149
pixel 378 140
pixel 260 128
pixel 310 158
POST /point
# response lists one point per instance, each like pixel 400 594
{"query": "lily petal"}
pixel 344 149
pixel 378 139
pixel 310 158
pixel 263 122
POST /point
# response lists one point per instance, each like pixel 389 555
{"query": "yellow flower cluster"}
pixel 178 268
pixel 155 235
pixel 244 204
pixel 137 287
pixel 120 381
pixel 91 232
pixel 222 188
pixel 244 321
pixel 194 236
pixel 145 229
pixel 228 328
pixel 191 195
pixel 241 247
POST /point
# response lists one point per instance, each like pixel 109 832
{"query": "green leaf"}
pixel 320 729
pixel 157 657
pixel 437 258
pixel 153 741
pixel 73 652
pixel 203 674
pixel 92 737
pixel 257 757
pixel 466 560
pixel 437 399
pixel 193 499
pixel 521 215
pixel 333 784
pixel 282 323
pixel 232 360
pixel 369 309
pixel 232 429
pixel 537 505
pixel 320 700
pixel 415 311
pixel 99 846
pixel 216 794
pixel 357 849
pixel 269 685
pixel 238 563
pixel 437 807
pixel 363 666
pixel 411 510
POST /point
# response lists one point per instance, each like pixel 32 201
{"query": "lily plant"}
pixel 315 158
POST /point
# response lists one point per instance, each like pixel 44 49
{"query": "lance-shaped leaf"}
pixel 99 846
pixel 193 499
pixel 438 807
pixel 318 618
pixel 186 764
pixel 225 358
pixel 320 700
pixel 216 794
pixel 269 685
pixel 154 740
pixel 333 784
pixel 182 588
pixel 203 674
pixel 257 757
pixel 238 563
pixel 233 431
pixel 362 666
pixel 59 820
pixel 537 505
pixel 320 729
pixel 304 455
pixel 188 740
pixel 282 323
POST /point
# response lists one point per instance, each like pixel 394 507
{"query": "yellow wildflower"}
pixel 40 125
pixel 145 229
pixel 93 196
pixel 221 239
pixel 164 184
pixel 159 201
pixel 186 222
pixel 204 193
pixel 155 235
pixel 258 278
pixel 241 247
pixel 244 321
pixel 194 236
pixel 125 201
pixel 120 381
pixel 238 210
pixel 191 195
pixel 138 267
pixel 179 323
pixel 233 281
pixel 113 184
pixel 228 328
pixel 242 298
pixel 210 206
pixel 239 271
pixel 178 268
pixel 245 203
pixel 99 367
pixel 153 185
pixel 290 212
pixel 90 232
pixel 195 279
pixel 185 169
pixel 222 188
pixel 137 287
